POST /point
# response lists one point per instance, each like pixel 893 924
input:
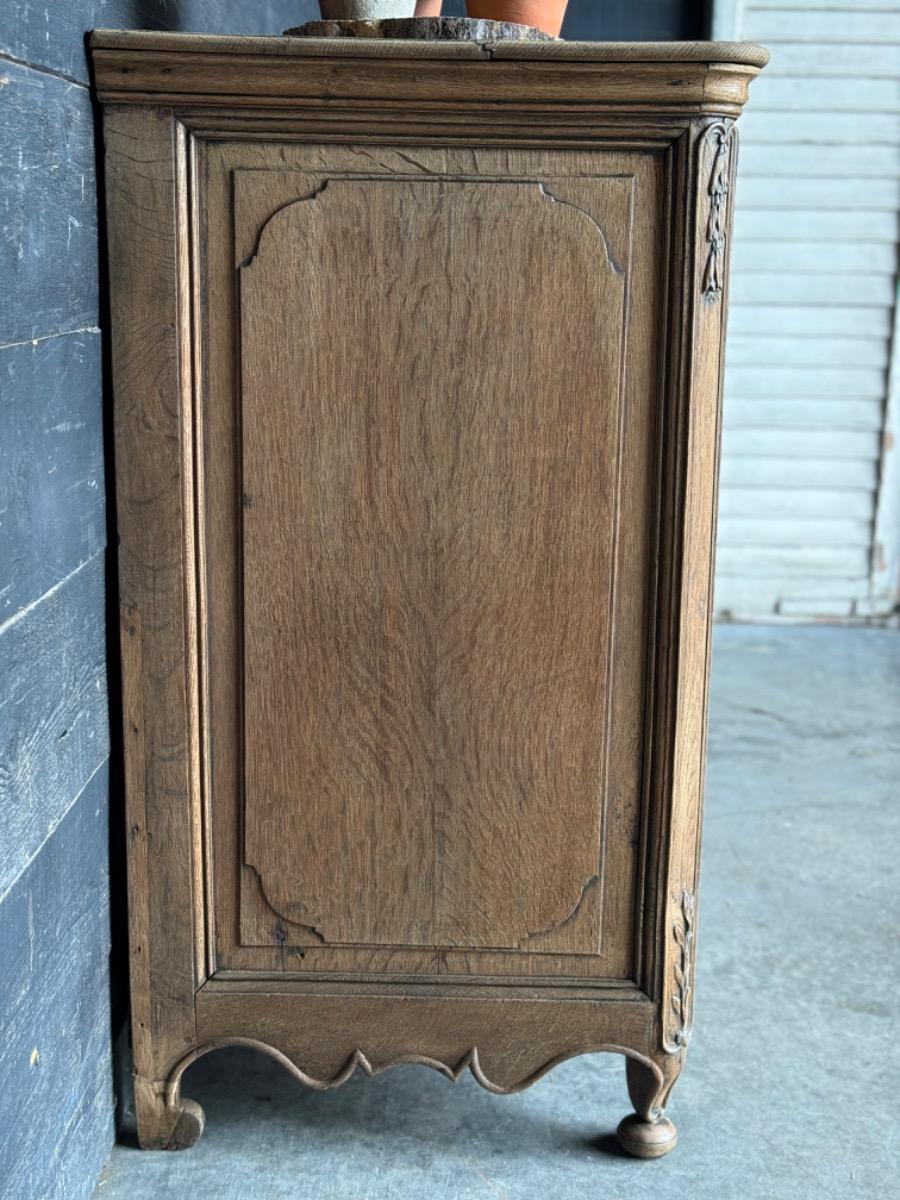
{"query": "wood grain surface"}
pixel 417 388
pixel 741 53
pixel 428 534
pixel 250 72
pixel 158 650
pixel 602 840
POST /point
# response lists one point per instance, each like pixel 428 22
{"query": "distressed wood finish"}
pixel 417 370
pixel 568 184
pixel 153 483
pixel 423 595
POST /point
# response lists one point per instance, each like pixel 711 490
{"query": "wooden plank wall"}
pixel 56 1101
pixel 56 1098
pixel 811 331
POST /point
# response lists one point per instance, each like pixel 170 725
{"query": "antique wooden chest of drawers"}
pixel 416 356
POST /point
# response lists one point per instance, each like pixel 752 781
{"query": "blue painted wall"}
pixel 62 954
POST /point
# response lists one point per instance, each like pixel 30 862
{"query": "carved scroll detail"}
pixel 722 136
pixel 683 991
pixel 171 1089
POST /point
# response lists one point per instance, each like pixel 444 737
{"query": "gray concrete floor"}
pixel 790 1090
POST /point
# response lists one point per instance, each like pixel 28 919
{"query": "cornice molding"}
pixel 187 69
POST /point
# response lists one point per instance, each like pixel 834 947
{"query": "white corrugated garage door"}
pixel 808 506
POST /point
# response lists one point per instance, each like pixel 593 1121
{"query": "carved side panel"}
pixel 681 1002
pixel 721 137
pixel 705 300
pixel 430 377
pixel 590 928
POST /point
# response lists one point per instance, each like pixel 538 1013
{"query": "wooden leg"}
pixel 163 1126
pixel 648 1132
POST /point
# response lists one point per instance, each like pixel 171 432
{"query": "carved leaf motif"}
pixel 717 221
pixel 682 969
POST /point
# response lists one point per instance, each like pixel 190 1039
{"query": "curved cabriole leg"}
pixel 164 1126
pixel 648 1132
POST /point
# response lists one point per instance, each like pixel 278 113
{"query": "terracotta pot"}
pixel 429 8
pixel 365 10
pixel 541 14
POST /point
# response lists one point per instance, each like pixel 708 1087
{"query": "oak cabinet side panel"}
pixel 708 232
pixel 427 547
pixel 612 220
pixel 151 441
pixel 417 369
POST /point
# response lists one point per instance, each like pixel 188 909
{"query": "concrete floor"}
pixel 790 1091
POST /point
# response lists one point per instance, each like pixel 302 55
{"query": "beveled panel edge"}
pixel 664 138
pixel 430 124
pixel 231 982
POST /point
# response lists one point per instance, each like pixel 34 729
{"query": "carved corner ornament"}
pixel 722 136
pixel 682 997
